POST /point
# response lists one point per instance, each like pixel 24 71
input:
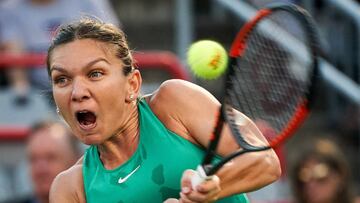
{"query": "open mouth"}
pixel 86 119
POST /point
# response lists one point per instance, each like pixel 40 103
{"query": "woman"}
pixel 322 175
pixel 139 147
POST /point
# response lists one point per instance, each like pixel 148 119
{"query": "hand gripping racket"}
pixel 270 79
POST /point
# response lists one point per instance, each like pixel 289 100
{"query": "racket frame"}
pixel 237 49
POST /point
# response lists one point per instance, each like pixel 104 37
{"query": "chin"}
pixel 92 140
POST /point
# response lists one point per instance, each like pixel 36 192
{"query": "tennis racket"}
pixel 270 79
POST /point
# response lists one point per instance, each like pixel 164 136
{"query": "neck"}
pixel 123 144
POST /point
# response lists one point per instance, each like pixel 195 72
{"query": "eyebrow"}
pixel 91 63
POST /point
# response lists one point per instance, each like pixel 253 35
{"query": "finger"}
pixel 207 191
pixel 194 197
pixel 199 197
pixel 186 186
pixel 184 198
pixel 210 185
pixel 171 200
pixel 212 196
pixel 203 197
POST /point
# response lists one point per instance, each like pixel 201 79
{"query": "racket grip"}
pixel 199 177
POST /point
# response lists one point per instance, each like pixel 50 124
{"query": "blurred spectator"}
pixel 51 148
pixel 27 26
pixel 321 174
pixel 2 48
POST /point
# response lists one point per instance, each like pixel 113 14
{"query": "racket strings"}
pixel 270 81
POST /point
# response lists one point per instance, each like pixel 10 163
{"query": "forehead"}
pixel 81 51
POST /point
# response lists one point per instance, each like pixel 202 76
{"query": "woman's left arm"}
pixel 196 109
pixel 246 173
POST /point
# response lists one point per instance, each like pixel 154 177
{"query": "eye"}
pixel 95 74
pixel 61 81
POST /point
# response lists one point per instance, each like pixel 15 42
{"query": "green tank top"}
pixel 153 172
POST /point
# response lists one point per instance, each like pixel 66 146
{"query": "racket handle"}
pixel 199 177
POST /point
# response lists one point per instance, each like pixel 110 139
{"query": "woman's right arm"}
pixel 68 186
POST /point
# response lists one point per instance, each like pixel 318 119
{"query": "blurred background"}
pixel 159 33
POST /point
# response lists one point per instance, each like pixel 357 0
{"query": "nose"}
pixel 80 91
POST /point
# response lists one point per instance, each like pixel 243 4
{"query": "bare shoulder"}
pixel 179 93
pixel 68 186
pixel 182 106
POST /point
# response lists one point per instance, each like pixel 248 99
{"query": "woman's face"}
pixel 90 89
pixel 320 183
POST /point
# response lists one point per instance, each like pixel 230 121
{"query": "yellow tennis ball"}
pixel 207 59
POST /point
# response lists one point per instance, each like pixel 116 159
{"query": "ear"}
pixel 134 83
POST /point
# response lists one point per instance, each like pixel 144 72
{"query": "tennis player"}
pixel 139 146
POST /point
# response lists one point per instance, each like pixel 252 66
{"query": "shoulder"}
pixel 179 92
pixel 68 186
pixel 182 106
pixel 178 98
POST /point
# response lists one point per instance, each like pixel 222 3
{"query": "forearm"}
pixel 249 172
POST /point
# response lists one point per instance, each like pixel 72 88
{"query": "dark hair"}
pixel 91 28
pixel 324 151
pixel 71 139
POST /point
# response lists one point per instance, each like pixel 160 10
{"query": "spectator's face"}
pixel 321 184
pixel 49 153
pixel 91 90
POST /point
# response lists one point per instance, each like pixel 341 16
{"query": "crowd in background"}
pixel 27 26
pixel 320 174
